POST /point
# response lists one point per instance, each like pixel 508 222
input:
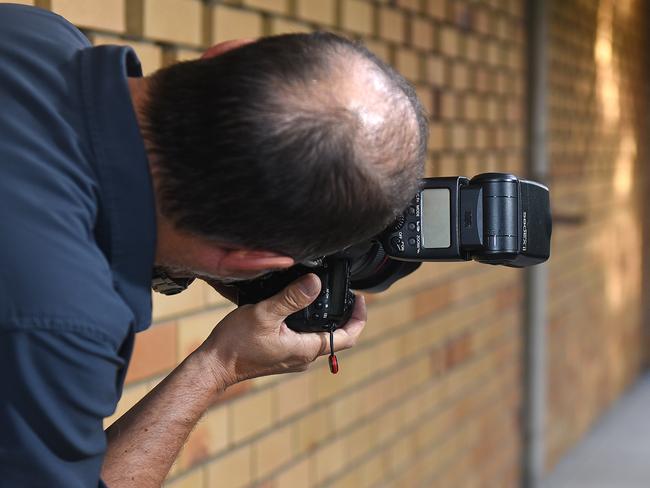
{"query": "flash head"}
pixel 494 218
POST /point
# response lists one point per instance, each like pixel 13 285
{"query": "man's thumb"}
pixel 296 296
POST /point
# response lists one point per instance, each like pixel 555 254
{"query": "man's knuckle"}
pixel 292 301
pixel 304 358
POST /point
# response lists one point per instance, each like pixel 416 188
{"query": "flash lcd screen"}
pixel 436 217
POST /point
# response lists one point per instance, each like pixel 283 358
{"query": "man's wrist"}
pixel 212 371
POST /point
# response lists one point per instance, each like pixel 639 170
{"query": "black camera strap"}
pixel 334 363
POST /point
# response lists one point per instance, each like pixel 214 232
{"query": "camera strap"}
pixel 334 363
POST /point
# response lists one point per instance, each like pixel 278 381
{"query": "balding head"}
pixel 372 105
pixel 300 144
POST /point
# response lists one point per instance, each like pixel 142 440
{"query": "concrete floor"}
pixel 616 454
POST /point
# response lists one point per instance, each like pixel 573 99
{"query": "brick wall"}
pixel 598 153
pixel 431 395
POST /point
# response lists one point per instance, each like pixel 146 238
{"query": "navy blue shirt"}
pixel 77 242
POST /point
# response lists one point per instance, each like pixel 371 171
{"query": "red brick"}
pixel 154 352
pixel 320 11
pixel 458 350
pixel 108 15
pixel 391 25
pixel 422 33
pixel 357 16
pixel 431 300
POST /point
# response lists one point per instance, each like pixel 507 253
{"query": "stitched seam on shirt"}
pixel 54 324
pixel 88 124
pixel 106 195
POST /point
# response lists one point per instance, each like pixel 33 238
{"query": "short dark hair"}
pixel 244 156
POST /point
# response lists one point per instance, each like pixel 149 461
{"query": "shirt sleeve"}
pixel 56 387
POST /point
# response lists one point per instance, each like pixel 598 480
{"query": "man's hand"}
pixel 254 340
pixel 251 341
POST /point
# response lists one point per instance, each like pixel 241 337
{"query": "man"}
pixel 260 155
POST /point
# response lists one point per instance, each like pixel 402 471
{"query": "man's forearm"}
pixel 143 443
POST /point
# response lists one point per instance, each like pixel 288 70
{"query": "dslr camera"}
pixel 493 218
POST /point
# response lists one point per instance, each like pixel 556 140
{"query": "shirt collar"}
pixel 126 227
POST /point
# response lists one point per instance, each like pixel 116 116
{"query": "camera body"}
pixel 333 305
pixel 494 218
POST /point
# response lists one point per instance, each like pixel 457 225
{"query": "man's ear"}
pixel 225 46
pixel 246 260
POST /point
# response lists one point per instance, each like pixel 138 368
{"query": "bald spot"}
pixel 365 104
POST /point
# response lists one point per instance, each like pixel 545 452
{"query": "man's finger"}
pixel 293 298
pixel 346 336
pixel 360 311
